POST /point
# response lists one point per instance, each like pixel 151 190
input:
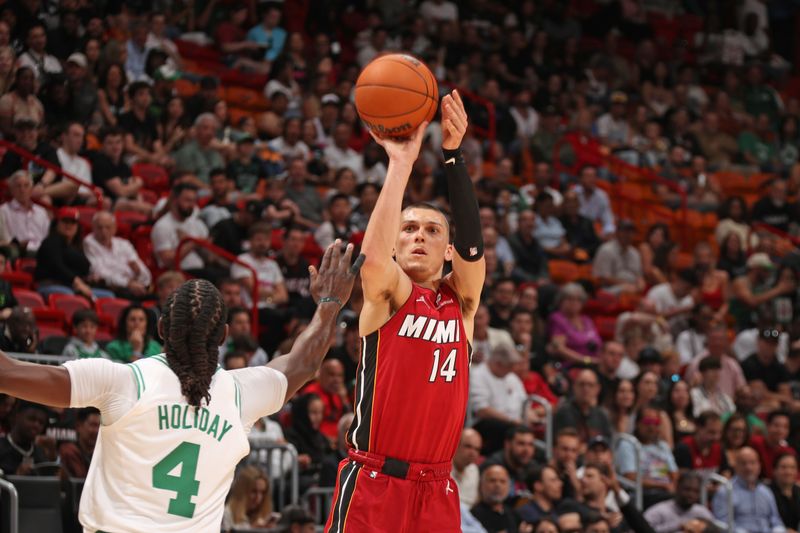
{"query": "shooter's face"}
pixel 423 244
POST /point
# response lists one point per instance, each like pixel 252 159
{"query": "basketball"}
pixel 396 93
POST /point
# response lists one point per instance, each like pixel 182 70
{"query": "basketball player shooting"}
pixel 413 376
pixel 174 426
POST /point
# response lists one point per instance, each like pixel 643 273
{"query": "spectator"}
pixel 137 51
pixel 295 519
pixel 529 257
pixel 339 155
pixel 707 396
pixel 580 230
pixel 61 266
pixel 566 452
pixel 756 144
pixel 465 470
pixel 719 148
pixel 774 208
pixel 620 406
pixel 751 292
pixel 774 443
pixel 199 155
pixel 570 522
pixel 786 491
pixel 231 232
pixel 573 336
pixel 330 388
pixel 248 169
pixel 220 205
pixel 26 135
pixel 337 225
pixel 7 299
pixel 718 345
pixel 680 409
pixel 180 221
pixel 517 457
pixel 77 456
pixel 133 336
pixel 271 288
pixel 548 230
pixel 673 299
pixel 83 91
pixel 36 57
pixel 735 435
pixel 167 283
pixel 27 223
pixel 294 268
pixel 312 446
pixel 113 259
pixel 594 201
pixel 307 199
pixel 767 377
pixel 582 411
pixel 612 127
pixel 547 489
pixel 496 396
pixel 493 514
pixel 670 516
pixel 290 145
pixel 754 509
pixel 691 342
pixel 702 452
pixel 250 502
pixel 599 492
pixel 657 463
pixel 19 451
pixel 112 173
pixel 83 344
pixel 656 244
pixel 732 258
pixel 268 34
pixel 112 99
pixel 330 466
pixel 142 142
pixel 617 264
pixel 69 160
pixel 239 326
pixel 734 218
pixel 20 102
pixel 648 392
pixel 19 332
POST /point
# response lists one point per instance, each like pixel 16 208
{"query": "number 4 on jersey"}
pixel 448 368
pixel 184 485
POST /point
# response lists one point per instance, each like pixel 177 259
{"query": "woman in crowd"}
pixel 573 336
pixel 647 393
pixel 250 502
pixel 173 125
pixel 312 446
pixel 732 257
pixel 620 406
pixel 679 409
pixel 21 101
pixel 112 98
pixel 657 239
pixel 786 491
pixel 714 286
pixel 7 68
pixel 734 218
pixel 735 435
pixel 134 339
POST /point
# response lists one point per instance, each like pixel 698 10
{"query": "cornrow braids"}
pixel 193 326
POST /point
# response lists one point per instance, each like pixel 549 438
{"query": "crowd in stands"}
pixel 637 165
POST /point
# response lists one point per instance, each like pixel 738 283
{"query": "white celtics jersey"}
pixel 164 465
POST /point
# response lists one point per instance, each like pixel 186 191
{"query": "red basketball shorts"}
pixel 376 494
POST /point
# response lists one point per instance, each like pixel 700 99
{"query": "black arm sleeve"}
pixel 464 206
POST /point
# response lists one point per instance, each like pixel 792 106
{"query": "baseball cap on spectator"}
pixel 68 213
pixel 330 99
pixel 760 260
pixel 769 334
pixel 619 97
pixel 598 440
pixel 650 355
pixel 278 89
pixel 79 59
pixel 167 73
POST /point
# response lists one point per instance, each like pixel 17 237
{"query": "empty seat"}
pixel 25 264
pixel 69 303
pixel 112 307
pixel 28 298
pixel 39 503
pixel 18 279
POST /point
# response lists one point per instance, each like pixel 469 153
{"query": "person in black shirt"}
pixel 19 333
pixel 348 352
pixel 26 135
pixel 141 129
pixel 294 268
pixel 110 172
pixel 18 450
pixel 763 370
pixel 580 230
pixel 230 233
pixel 786 491
pixel 61 265
pixel 775 209
pixel 531 261
pixel 491 511
pixel 502 303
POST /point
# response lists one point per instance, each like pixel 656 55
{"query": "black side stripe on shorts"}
pixel 346 485
pixel 360 430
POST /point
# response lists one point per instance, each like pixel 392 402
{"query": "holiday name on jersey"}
pixel 430 329
pixel 182 416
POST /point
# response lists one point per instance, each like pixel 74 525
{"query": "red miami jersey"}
pixel 412 385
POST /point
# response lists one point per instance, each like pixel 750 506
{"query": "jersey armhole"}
pixel 138 378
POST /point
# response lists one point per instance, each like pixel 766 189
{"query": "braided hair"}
pixel 193 326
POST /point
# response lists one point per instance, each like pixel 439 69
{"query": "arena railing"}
pixel 793 241
pixel 39 358
pixel 263 452
pixel 318 501
pixel 13 505
pixel 626 173
pixel 725 482
pixel 29 157
pixel 225 254
pixel 547 445
pixel 636 485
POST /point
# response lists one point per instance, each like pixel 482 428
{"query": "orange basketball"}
pixel 395 93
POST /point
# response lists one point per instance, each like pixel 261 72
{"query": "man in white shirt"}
pixel 595 204
pixel 617 264
pixel 673 299
pixel 36 56
pixel 339 155
pixel 271 288
pixel 114 260
pixel 465 471
pixel 180 221
pixel 26 222
pixel 290 145
pixel 497 395
pixel 435 11
pixel 74 165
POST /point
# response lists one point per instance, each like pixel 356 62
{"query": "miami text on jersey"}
pixel 430 329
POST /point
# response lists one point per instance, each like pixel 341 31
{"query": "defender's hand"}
pixel 336 275
pixel 454 121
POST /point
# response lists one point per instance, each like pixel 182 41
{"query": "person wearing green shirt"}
pixel 133 336
pixel 757 147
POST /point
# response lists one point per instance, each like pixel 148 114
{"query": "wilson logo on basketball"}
pixel 380 128
pixel 412 60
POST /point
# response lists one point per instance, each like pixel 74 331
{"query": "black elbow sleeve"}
pixel 468 240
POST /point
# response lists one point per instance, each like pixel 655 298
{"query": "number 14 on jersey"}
pixel 447 370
